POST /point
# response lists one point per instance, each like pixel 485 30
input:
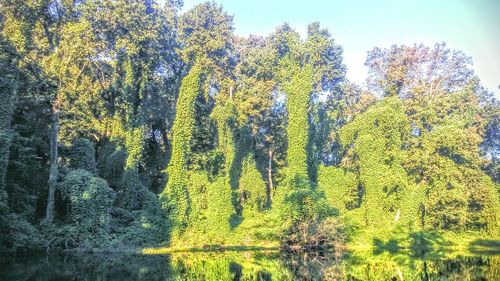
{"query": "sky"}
pixel 472 26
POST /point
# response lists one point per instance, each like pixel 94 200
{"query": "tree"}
pixel 206 34
pixel 260 113
pixel 417 71
pixel 445 105
pixel 326 58
pixel 8 88
pixel 374 158
pixel 55 23
pixel 338 108
pixel 445 159
pixel 298 90
pixel 175 195
pixel 82 155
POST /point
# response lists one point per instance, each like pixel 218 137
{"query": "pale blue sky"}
pixel 472 26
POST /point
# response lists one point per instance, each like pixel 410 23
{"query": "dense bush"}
pixel 145 227
pixel 19 235
pixel 82 155
pixel 252 187
pixel 114 167
pixel 89 202
pixel 315 235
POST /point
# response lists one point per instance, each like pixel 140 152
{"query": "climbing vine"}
pixel 175 196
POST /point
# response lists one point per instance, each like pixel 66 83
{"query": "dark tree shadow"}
pixel 237 270
pixel 428 244
pixel 485 247
pixel 391 246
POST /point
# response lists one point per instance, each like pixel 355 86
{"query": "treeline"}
pixel 124 124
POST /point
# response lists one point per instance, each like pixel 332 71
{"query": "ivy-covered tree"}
pixel 175 195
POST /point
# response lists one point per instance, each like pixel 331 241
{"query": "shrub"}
pixel 115 165
pixel 82 155
pixel 89 201
pixel 17 234
pixel 103 154
pixel 252 187
pixel 315 235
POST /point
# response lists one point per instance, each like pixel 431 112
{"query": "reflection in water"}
pixel 251 265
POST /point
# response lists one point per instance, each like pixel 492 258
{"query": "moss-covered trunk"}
pixel 54 155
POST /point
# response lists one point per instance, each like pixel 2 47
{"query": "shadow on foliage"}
pixel 428 244
pixel 392 246
pixel 485 247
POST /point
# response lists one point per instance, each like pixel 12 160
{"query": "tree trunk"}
pixel 270 173
pixel 54 171
pixel 6 110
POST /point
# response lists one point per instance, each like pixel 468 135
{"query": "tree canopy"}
pixel 128 123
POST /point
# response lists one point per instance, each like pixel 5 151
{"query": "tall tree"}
pixel 260 113
pixel 175 195
pixel 446 107
pixel 205 33
pixel 51 22
pixel 8 88
pixel 417 71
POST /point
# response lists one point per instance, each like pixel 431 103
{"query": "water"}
pixel 251 265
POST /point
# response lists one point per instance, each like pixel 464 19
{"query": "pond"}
pixel 251 265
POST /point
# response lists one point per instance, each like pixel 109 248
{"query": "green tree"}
pixel 298 90
pixel 373 142
pixel 175 194
pixel 89 203
pixel 47 44
pixel 8 87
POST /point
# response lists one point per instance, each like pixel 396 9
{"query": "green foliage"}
pixel 132 191
pixel 82 155
pixel 445 161
pixel 302 201
pixel 298 91
pixel 143 227
pixel 206 34
pixel 224 115
pixel 19 235
pixel 89 198
pixel 134 146
pixel 375 140
pixel 175 195
pixel 89 202
pixel 115 165
pixel 231 131
pixel 8 86
pixel 252 187
pixel 325 56
pixel 220 210
pixel 340 187
pixel 379 179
